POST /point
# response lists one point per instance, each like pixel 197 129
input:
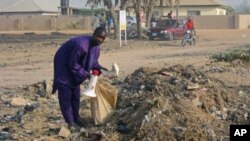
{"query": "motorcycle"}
pixel 188 38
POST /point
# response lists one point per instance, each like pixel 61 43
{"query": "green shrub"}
pixel 231 55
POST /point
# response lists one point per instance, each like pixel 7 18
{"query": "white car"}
pixel 131 20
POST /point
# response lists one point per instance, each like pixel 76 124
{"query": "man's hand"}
pixel 96 72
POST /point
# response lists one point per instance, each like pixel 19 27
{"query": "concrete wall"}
pixel 223 22
pixel 44 23
pixel 215 22
pixel 244 22
pixel 48 23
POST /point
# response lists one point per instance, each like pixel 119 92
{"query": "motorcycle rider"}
pixel 189 25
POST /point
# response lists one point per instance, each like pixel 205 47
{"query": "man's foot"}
pixel 73 127
pixel 80 123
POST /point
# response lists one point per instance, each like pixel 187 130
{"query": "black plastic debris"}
pixel 122 127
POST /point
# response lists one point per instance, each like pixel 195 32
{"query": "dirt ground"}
pixel 27 59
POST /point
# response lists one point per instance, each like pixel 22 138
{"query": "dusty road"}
pixel 27 59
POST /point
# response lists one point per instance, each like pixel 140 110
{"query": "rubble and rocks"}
pixel 172 103
pixel 64 132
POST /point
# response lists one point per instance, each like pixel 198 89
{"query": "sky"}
pixel 77 3
pixel 235 2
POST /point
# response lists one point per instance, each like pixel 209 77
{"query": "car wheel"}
pixel 151 38
pixel 183 42
pixel 170 36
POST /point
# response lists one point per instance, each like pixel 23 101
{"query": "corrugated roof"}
pixel 6 3
pixel 29 5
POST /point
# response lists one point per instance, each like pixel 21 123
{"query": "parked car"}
pixel 131 20
pixel 131 23
pixel 169 29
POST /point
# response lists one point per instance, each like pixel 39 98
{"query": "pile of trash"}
pixel 172 103
pixel 177 103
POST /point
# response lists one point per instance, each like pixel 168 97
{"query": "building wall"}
pixel 204 11
pixel 43 23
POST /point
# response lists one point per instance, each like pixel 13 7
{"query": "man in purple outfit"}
pixel 72 65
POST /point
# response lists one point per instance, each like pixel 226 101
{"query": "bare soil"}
pixel 26 59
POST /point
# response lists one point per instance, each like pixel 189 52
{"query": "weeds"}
pixel 231 55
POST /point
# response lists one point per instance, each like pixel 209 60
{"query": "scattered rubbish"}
pixel 171 103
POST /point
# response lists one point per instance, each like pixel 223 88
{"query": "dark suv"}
pixel 167 29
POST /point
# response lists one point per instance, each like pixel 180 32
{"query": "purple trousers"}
pixel 69 100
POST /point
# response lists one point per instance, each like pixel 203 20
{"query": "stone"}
pixel 64 132
pixel 14 136
pixel 192 87
pixel 196 101
pixel 240 93
pixel 157 81
pixel 48 84
pixel 5 98
pixel 28 132
pixel 18 101
pixel 30 107
pixel 179 130
pixel 224 116
pixel 214 109
pixel 167 73
pixel 246 116
pixel 218 113
pixel 213 114
pixel 142 87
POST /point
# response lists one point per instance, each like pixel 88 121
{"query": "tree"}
pixel 244 7
pixel 110 4
pixel 145 6
pixel 148 7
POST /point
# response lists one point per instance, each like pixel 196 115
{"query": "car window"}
pixel 130 18
pixel 166 23
pixel 180 23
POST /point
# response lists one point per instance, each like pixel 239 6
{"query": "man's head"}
pixel 99 36
pixel 189 19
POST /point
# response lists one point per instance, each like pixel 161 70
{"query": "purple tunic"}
pixel 73 61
